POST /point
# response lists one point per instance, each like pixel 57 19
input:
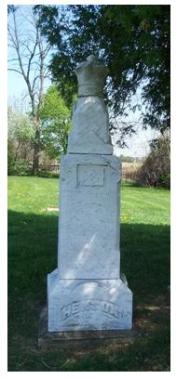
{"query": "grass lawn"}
pixel 145 260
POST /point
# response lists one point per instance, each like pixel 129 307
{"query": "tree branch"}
pixel 15 70
pixel 29 61
pixel 32 54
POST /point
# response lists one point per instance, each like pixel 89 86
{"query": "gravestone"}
pixel 86 291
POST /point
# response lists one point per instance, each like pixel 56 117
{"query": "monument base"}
pixel 86 305
pixel 81 339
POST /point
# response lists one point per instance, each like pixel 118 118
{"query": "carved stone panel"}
pixel 90 175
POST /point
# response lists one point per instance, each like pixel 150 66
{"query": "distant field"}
pixel 145 259
pixel 129 170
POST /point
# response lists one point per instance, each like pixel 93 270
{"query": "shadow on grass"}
pixel 145 262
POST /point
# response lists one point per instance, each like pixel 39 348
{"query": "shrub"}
pixel 19 167
pixel 47 174
pixel 11 158
pixel 155 170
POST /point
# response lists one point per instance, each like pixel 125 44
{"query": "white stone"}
pixel 91 76
pixel 89 213
pixel 86 291
pixel 90 133
pixel 88 304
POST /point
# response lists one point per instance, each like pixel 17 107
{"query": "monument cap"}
pixel 91 76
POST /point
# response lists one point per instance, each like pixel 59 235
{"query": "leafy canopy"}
pixel 133 40
pixel 20 128
pixel 55 122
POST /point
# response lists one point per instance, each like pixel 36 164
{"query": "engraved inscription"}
pixel 88 307
pixel 90 175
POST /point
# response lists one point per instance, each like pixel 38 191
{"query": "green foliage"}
pixel 11 158
pixel 21 167
pixel 20 140
pixel 155 171
pixel 55 123
pixel 20 127
pixel 54 126
pixel 133 40
pixel 43 173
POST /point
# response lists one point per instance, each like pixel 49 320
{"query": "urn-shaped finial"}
pixel 91 76
pixel 90 132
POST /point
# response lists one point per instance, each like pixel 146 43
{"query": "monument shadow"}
pixel 32 247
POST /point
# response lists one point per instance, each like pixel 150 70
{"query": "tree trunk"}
pixel 36 150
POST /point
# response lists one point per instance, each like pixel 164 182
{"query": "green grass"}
pixel 144 259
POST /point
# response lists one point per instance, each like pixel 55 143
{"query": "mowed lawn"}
pixel 145 260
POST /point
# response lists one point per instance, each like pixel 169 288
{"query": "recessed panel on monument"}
pixel 90 208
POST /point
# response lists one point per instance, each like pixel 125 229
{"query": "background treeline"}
pixel 132 40
pixel 54 126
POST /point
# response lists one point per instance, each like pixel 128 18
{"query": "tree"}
pixel 55 123
pixel 155 170
pixel 21 134
pixel 134 42
pixel 28 57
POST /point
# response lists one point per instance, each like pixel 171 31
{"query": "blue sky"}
pixel 17 88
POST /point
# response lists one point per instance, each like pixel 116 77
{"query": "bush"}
pixel 155 170
pixel 11 159
pixel 47 174
pixel 19 167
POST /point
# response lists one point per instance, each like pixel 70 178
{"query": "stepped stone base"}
pixel 88 305
pixel 81 339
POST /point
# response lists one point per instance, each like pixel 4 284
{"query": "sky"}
pixel 137 145
pixel 17 88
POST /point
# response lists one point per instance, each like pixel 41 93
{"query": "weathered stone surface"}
pixel 88 304
pixel 82 340
pixel 90 132
pixel 88 226
pixel 91 76
pixel 86 291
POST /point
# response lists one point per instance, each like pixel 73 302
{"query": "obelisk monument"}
pixel 86 291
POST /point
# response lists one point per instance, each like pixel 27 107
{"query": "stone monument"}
pixel 86 291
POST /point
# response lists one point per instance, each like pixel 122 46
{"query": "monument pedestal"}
pixel 86 292
pixel 88 245
pixel 88 304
